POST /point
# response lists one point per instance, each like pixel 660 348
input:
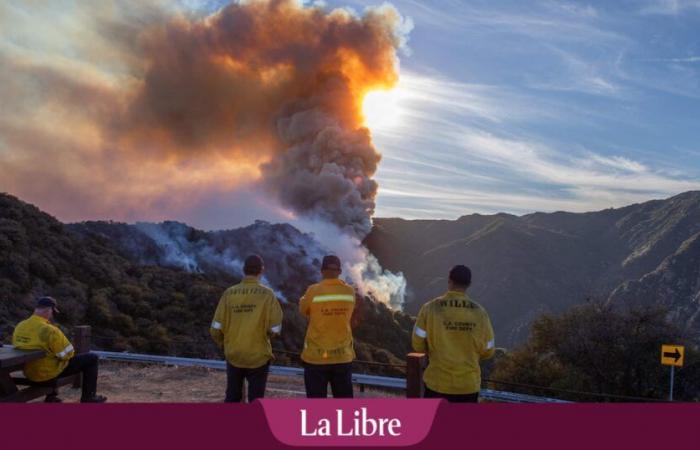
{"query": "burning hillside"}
pixel 158 295
pixel 258 102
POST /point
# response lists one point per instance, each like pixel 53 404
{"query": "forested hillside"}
pixel 139 300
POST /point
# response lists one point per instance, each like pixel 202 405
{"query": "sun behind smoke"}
pixel 381 109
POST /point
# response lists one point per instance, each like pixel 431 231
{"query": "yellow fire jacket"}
pixel 329 306
pixel 36 333
pixel 247 313
pixel 457 334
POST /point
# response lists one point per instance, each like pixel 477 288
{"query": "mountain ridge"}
pixel 523 266
pixel 539 262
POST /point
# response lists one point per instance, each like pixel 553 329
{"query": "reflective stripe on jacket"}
pixel 329 306
pixel 244 319
pixel 36 333
pixel 457 334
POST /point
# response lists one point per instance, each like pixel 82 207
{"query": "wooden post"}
pixel 415 365
pixel 81 344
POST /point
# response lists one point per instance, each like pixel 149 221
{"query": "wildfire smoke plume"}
pixel 139 110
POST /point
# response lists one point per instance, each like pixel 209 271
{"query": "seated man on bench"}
pixel 37 333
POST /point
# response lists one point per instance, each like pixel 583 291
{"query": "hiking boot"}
pixel 53 398
pixel 94 399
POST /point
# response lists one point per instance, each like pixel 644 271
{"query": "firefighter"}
pixel 456 334
pixel 38 333
pixel 328 347
pixel 247 315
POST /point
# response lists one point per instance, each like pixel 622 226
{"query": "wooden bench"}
pixel 13 360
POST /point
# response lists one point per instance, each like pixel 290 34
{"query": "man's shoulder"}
pixel 437 302
pixel 427 307
pixel 43 330
pixel 24 323
pixel 337 287
pixel 268 291
pixel 50 329
pixel 432 303
pixel 475 305
pixel 244 287
pixel 346 287
pixel 314 287
pixel 37 325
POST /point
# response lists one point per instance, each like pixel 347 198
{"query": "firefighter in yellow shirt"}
pixel 328 348
pixel 37 333
pixel 456 333
pixel 248 313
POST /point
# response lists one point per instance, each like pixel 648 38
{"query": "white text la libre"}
pixel 358 425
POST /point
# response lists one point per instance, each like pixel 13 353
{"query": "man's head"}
pixel 253 266
pixel 460 278
pixel 331 267
pixel 46 307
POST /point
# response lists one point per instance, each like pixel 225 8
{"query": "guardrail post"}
pixel 415 365
pixel 81 344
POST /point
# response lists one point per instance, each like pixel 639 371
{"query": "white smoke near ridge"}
pixel 292 257
pixel 234 263
pixel 171 245
pixel 362 269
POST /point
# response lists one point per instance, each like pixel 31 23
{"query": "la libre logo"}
pixel 357 424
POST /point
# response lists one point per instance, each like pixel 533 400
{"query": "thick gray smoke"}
pixel 274 84
pixel 326 170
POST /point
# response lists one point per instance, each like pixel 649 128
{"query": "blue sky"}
pixel 542 105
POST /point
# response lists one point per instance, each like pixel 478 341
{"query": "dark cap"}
pixel 461 275
pixel 331 262
pixel 252 265
pixel 47 302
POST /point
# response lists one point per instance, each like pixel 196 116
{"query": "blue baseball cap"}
pixel 47 302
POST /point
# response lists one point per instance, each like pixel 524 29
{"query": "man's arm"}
pixel 305 303
pixel 60 346
pixel 489 343
pixel 420 333
pixel 358 311
pixel 216 328
pixel 275 316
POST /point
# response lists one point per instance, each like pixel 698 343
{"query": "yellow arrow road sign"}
pixel 672 355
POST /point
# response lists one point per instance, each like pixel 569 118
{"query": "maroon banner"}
pixel 487 426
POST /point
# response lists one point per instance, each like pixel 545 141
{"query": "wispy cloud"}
pixel 687 59
pixel 579 75
pixel 669 7
pixel 467 101
pixel 555 20
pixel 460 164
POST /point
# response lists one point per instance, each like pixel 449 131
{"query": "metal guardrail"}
pixel 512 397
pixel 357 378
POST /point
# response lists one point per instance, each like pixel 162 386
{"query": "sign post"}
pixel 672 355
